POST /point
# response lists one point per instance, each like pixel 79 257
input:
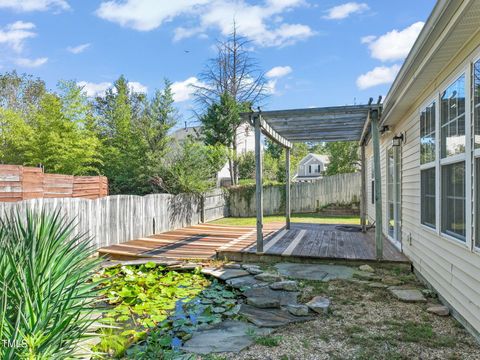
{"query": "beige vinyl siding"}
pixel 448 265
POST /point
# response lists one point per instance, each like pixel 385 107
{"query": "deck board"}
pixel 207 241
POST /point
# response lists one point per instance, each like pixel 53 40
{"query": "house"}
pixel 430 158
pixel 311 167
pixel 245 143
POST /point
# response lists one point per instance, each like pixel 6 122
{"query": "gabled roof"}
pixel 321 158
pixel 450 26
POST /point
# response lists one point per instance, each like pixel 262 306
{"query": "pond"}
pixel 149 311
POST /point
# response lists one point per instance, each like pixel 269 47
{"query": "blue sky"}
pixel 316 53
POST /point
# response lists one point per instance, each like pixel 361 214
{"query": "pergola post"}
pixel 363 195
pixel 287 189
pixel 259 183
pixel 378 184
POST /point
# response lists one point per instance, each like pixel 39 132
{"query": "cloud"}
pixel 278 72
pixel 15 34
pixel 31 63
pixel 79 48
pixel 94 89
pixel 394 45
pixel 34 5
pixel 378 76
pixel 98 89
pixel 184 90
pixel 261 23
pixel 137 87
pixel 345 10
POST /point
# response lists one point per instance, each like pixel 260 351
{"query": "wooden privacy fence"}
pixel 305 196
pixel 116 219
pixel 22 183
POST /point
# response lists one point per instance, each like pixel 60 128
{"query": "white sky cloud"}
pixel 31 63
pixel 253 21
pixel 394 45
pixel 137 87
pixel 378 76
pixel 98 89
pixel 34 5
pixel 79 48
pixel 15 34
pixel 345 10
pixel 278 72
pixel 183 90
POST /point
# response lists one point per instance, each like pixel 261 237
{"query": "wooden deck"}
pixel 209 241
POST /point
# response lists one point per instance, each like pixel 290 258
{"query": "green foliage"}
pixel 191 167
pixel 268 340
pixel 343 157
pixel 57 133
pixel 155 310
pixel 46 296
pixel 246 165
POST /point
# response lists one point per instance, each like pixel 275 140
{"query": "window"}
pixel 476 124
pixel 477 203
pixel 453 119
pixel 319 168
pixel 428 197
pixel 309 169
pixel 427 134
pixel 427 160
pixel 453 200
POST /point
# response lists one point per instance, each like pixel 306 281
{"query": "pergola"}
pixel 340 123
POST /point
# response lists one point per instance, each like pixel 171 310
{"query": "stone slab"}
pixel 225 274
pixel 270 318
pixel 245 282
pixel 287 285
pixel 439 310
pixel 407 295
pixel 298 310
pixel 227 336
pixel 319 304
pixel 263 302
pixel 284 297
pixel 320 272
pixel 268 277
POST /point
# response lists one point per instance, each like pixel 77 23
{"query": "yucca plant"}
pixel 47 296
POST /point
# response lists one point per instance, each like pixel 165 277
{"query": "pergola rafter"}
pixel 340 123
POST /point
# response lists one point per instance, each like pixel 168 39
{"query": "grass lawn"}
pixel 312 218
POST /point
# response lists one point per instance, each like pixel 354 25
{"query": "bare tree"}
pixel 234 73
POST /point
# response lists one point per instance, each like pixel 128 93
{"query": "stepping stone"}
pixel 429 293
pixel 319 304
pixel 407 295
pixel 439 310
pixel 366 268
pixel 315 271
pixel 227 336
pixel 367 276
pixel 225 274
pixel 183 267
pixel 287 285
pixel 254 271
pixel 232 266
pixel 250 266
pixel 298 310
pixel 377 285
pixel 271 318
pixel 268 277
pixel 263 303
pixel 284 297
pixel 245 282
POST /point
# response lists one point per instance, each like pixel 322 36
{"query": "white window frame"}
pixel 396 239
pixel 433 164
pixel 475 156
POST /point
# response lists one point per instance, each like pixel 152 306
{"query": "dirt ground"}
pixel 366 323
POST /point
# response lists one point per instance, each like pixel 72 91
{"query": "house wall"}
pixel 451 267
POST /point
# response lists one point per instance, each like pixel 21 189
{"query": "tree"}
pixel 343 157
pixel 192 168
pixel 21 93
pixel 14 137
pixel 231 83
pixel 123 147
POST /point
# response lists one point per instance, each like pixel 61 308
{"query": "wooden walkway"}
pixel 208 241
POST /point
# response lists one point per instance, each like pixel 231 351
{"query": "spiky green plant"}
pixel 46 294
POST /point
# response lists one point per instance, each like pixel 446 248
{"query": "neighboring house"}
pixel 430 157
pixel 311 167
pixel 245 143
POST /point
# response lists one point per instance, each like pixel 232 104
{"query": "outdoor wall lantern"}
pixel 398 139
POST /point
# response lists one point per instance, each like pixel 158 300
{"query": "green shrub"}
pixel 47 295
